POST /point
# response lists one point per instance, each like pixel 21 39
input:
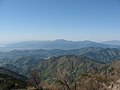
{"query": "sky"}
pixel 23 20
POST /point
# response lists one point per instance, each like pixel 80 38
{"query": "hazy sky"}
pixel 96 20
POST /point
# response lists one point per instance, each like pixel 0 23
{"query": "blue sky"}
pixel 96 20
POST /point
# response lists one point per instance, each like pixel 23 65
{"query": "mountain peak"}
pixel 88 41
pixel 60 40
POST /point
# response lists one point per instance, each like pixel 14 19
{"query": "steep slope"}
pixel 12 74
pixel 72 64
pixel 8 83
pixel 22 65
pixel 115 64
pixel 11 80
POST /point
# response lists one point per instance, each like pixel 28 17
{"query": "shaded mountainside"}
pixel 12 74
pixel 11 80
pixel 22 65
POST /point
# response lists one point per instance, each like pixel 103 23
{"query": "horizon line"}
pixel 18 41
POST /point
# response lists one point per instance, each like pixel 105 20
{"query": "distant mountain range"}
pixel 98 54
pixel 57 44
pixel 113 42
